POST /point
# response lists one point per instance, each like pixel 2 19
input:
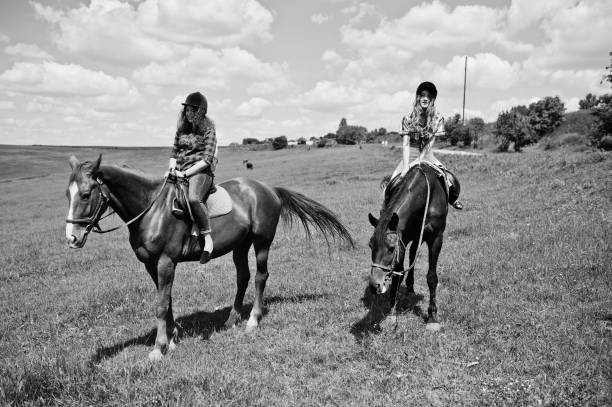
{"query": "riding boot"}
pixel 199 185
pixel 453 190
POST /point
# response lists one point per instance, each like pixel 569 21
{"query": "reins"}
pixel 92 223
pixel 390 270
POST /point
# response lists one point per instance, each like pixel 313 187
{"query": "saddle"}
pixel 218 203
pixel 450 183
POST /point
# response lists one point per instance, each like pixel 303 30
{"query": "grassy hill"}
pixel 524 296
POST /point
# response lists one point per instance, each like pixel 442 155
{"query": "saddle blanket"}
pixel 219 202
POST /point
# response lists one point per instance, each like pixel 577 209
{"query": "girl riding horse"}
pixel 194 157
pixel 421 128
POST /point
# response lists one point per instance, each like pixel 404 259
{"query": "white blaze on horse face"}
pixel 73 189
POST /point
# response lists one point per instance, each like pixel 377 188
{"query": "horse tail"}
pixel 310 212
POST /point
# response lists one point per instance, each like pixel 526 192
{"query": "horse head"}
pixel 384 245
pixel 86 201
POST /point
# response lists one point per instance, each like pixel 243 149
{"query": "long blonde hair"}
pixel 417 112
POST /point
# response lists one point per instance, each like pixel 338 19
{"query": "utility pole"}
pixel 464 80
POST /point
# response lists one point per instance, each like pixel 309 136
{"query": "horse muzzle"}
pixel 75 237
pixel 378 282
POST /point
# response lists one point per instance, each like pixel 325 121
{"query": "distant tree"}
pixel 589 102
pixel 250 140
pixel 603 126
pixel 342 124
pixel 330 136
pixel 513 127
pixel 301 140
pixel 351 134
pixel 279 142
pixel 545 115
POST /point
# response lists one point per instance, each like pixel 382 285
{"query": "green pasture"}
pixel 525 292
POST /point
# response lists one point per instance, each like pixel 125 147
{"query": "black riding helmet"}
pixel 429 87
pixel 196 99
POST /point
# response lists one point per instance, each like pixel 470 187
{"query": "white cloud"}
pixel 329 96
pixel 523 13
pixel 427 26
pixel 485 71
pixel 577 36
pixel 253 107
pixel 99 90
pixel 7 105
pixel 27 51
pixel 209 22
pixel 212 69
pixel 320 18
pixel 105 30
pixel 4 38
pixel 155 30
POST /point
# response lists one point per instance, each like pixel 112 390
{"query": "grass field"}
pixel 525 293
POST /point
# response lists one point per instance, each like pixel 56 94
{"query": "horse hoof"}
pixel 171 346
pixel 433 327
pixel 155 355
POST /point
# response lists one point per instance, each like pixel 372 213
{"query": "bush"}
pixel 545 115
pixel 605 143
pixel 512 127
pixel 279 142
pixel 350 134
pixel 249 140
pixel 603 114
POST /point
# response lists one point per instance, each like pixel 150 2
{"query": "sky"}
pixel 114 72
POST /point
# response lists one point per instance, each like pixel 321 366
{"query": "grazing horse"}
pixel 160 240
pixel 403 223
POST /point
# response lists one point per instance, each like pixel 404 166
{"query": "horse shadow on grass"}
pixel 199 324
pixel 379 308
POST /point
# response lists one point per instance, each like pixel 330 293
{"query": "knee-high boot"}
pixel 453 190
pixel 199 187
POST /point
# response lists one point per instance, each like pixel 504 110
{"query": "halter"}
pixel 93 221
pixel 390 269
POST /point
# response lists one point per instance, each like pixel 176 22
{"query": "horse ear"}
pixel 96 165
pixel 74 162
pixel 373 220
pixel 393 222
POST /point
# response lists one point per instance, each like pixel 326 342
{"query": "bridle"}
pixel 92 223
pixel 390 270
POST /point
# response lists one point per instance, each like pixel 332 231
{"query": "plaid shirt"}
pixel 413 123
pixel 191 148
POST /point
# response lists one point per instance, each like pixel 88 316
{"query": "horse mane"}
pixel 396 195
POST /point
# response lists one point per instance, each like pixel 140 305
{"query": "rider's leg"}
pixel 453 190
pixel 199 187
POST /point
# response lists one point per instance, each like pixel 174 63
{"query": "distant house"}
pixel 292 143
pixel 309 142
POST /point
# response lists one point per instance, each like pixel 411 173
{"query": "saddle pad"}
pixel 219 203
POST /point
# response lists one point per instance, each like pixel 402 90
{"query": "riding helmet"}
pixel 196 99
pixel 429 87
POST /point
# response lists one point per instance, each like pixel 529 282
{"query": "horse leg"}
pixel 433 322
pixel 262 249
pixel 163 311
pixel 241 261
pixel 410 274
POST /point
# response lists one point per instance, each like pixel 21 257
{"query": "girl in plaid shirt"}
pixel 194 157
pixel 420 128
